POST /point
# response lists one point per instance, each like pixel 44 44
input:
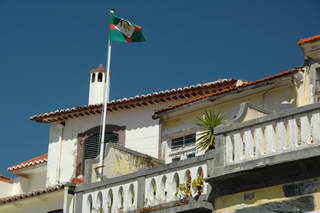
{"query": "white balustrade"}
pixel 269 137
pixel 160 187
pixel 117 198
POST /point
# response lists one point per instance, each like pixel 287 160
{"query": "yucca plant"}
pixel 207 122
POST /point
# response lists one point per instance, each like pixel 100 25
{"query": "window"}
pixel 175 159
pixel 100 76
pixel 92 144
pixel 93 77
pixel 88 146
pixel 183 141
pixel 191 155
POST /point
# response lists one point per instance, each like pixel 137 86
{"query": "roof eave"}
pixel 215 97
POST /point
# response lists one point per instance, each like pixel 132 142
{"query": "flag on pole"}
pixel 124 31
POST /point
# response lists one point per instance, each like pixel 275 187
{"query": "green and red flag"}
pixel 124 31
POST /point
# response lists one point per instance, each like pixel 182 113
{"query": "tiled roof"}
pixel 138 101
pixel 308 40
pixel 29 163
pixel 18 197
pixel 246 84
pixel 5 179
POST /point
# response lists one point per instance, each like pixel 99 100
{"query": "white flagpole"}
pixel 105 108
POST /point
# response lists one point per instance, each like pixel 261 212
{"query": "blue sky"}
pixel 48 47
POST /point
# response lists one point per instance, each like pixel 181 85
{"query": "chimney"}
pixel 97 85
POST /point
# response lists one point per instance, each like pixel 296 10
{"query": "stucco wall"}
pixel 41 204
pixel 37 181
pixel 119 162
pixel 6 189
pixel 272 196
pixel 20 185
pixel 252 114
pixel 141 134
pixel 275 99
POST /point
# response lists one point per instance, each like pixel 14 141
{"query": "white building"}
pixel 274 116
pixel 42 183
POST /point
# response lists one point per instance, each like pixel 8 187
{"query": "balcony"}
pixel 270 150
pixel 267 151
pixel 148 190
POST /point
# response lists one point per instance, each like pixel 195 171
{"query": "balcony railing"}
pixel 144 189
pixel 273 134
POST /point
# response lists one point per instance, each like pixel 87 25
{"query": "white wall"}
pixel 20 185
pixel 142 135
pixel 5 189
pixel 37 181
pixel 39 204
pixel 275 99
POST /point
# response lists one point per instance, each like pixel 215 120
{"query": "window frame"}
pixel 184 138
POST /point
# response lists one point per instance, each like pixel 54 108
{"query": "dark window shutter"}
pixel 92 144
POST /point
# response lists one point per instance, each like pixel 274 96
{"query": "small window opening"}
pixel 93 77
pixel 191 155
pixel 100 76
pixel 175 159
pixel 183 141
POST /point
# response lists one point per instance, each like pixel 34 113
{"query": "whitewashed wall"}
pixel 20 185
pixel 47 203
pixel 275 99
pixel 5 189
pixel 142 135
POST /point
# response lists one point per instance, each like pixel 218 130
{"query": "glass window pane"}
pixel 190 139
pixel 177 142
pixel 175 159
pixel 191 155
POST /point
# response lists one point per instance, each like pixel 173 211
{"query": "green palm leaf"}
pixel 206 124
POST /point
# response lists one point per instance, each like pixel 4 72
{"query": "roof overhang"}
pixel 27 196
pixel 162 97
pixel 30 166
pixel 278 80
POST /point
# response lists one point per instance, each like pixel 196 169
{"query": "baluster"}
pixel 229 149
pixel 305 129
pixel 238 146
pixel 270 138
pixel 281 135
pixel 259 139
pixel 249 144
pixel 293 133
pixel 315 127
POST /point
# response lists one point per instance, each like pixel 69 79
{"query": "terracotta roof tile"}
pixel 29 163
pixel 245 84
pixel 5 179
pixel 18 197
pixel 308 40
pixel 137 101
